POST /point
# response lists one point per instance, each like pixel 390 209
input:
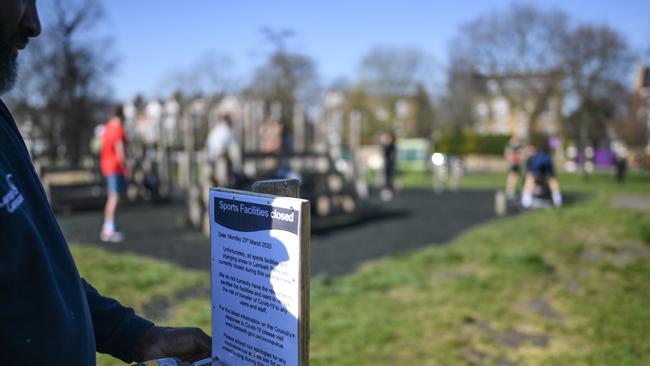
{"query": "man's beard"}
pixel 8 64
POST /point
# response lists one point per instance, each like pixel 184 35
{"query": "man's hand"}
pixel 187 344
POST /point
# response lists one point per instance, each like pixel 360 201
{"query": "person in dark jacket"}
pixel 540 174
pixel 48 314
pixel 390 164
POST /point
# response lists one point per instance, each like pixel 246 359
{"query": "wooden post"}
pixel 169 129
pixel 188 149
pixel 358 168
pixel 500 203
pixel 276 112
pixel 354 141
pixel 257 119
pixel 299 142
pixel 278 187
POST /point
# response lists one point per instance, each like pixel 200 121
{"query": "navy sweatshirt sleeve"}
pixel 48 314
pixel 117 328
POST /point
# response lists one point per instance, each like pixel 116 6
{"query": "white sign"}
pixel 256 278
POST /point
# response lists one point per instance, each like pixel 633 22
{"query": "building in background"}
pixel 518 104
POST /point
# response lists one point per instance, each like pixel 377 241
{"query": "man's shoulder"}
pixel 3 108
pixel 4 112
pixel 7 119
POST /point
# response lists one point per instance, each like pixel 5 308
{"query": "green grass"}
pixel 136 281
pixel 555 287
pixel 636 182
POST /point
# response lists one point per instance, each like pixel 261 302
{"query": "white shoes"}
pixel 111 237
pixel 386 195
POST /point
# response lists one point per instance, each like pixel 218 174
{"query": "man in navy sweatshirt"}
pixel 48 314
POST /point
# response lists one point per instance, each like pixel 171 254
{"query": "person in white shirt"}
pixel 222 143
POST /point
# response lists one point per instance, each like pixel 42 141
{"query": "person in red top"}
pixel 112 160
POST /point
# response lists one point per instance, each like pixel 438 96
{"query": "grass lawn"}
pixel 554 287
pixel 145 284
pixel 596 182
pixel 561 287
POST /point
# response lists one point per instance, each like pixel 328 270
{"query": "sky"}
pixel 153 38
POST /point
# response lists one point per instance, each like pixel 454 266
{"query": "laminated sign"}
pixel 260 279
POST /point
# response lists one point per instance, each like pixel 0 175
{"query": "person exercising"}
pixel 514 154
pixel 539 173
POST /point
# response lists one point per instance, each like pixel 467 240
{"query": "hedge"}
pixel 472 143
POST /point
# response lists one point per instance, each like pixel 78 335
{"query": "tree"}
pixel 392 88
pixel 588 124
pixel 359 100
pixel 62 86
pixel 519 49
pixel 596 60
pixel 424 114
pixel 286 77
pixel 210 74
pixel 635 132
pixel 457 111
pixel 395 71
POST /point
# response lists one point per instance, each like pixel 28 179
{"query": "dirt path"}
pixel 634 202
